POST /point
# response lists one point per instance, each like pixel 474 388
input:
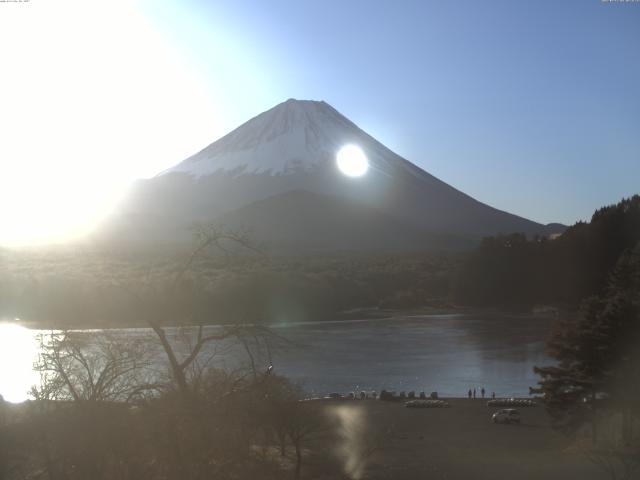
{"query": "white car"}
pixel 506 415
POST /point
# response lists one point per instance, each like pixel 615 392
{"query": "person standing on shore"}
pixel 474 392
pixel 482 392
pixel 469 394
pixel 493 395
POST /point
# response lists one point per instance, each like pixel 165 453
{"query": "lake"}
pixel 445 353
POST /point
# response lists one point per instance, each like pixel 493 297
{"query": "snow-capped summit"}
pixel 294 135
pixel 277 176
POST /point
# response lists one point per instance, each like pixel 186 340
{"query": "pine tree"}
pixel 598 368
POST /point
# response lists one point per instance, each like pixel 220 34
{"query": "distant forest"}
pixel 77 287
pixel 80 289
pixel 511 270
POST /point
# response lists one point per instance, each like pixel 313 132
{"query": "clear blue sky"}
pixel 530 106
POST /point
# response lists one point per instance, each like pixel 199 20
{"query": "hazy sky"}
pixel 529 106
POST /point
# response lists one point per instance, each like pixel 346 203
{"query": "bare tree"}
pixel 196 435
pixel 180 364
pixel 304 420
pixel 98 366
pixel 81 425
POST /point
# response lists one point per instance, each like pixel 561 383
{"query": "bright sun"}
pixel 352 161
pixel 18 352
pixel 80 116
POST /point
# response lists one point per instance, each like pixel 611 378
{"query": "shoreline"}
pixel 350 316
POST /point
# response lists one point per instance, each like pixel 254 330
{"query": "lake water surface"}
pixel 445 353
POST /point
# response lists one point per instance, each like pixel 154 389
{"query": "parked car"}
pixel 506 415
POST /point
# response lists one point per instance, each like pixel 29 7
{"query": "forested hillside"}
pixel 83 289
pixel 511 270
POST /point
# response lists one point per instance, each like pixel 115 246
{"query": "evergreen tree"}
pixel 598 368
pixel 511 270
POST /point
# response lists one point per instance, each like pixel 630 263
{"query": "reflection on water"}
pixel 18 353
pixel 355 446
pixel 444 353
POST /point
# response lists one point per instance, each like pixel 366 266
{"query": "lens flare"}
pixel 352 161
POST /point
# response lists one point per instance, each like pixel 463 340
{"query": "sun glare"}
pixel 18 352
pixel 352 161
pixel 88 105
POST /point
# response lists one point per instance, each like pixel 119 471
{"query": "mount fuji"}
pixel 276 176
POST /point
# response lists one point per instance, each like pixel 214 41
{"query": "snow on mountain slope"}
pixel 295 135
pixel 292 147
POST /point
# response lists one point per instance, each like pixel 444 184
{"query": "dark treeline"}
pixel 79 288
pixel 592 391
pixel 511 270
